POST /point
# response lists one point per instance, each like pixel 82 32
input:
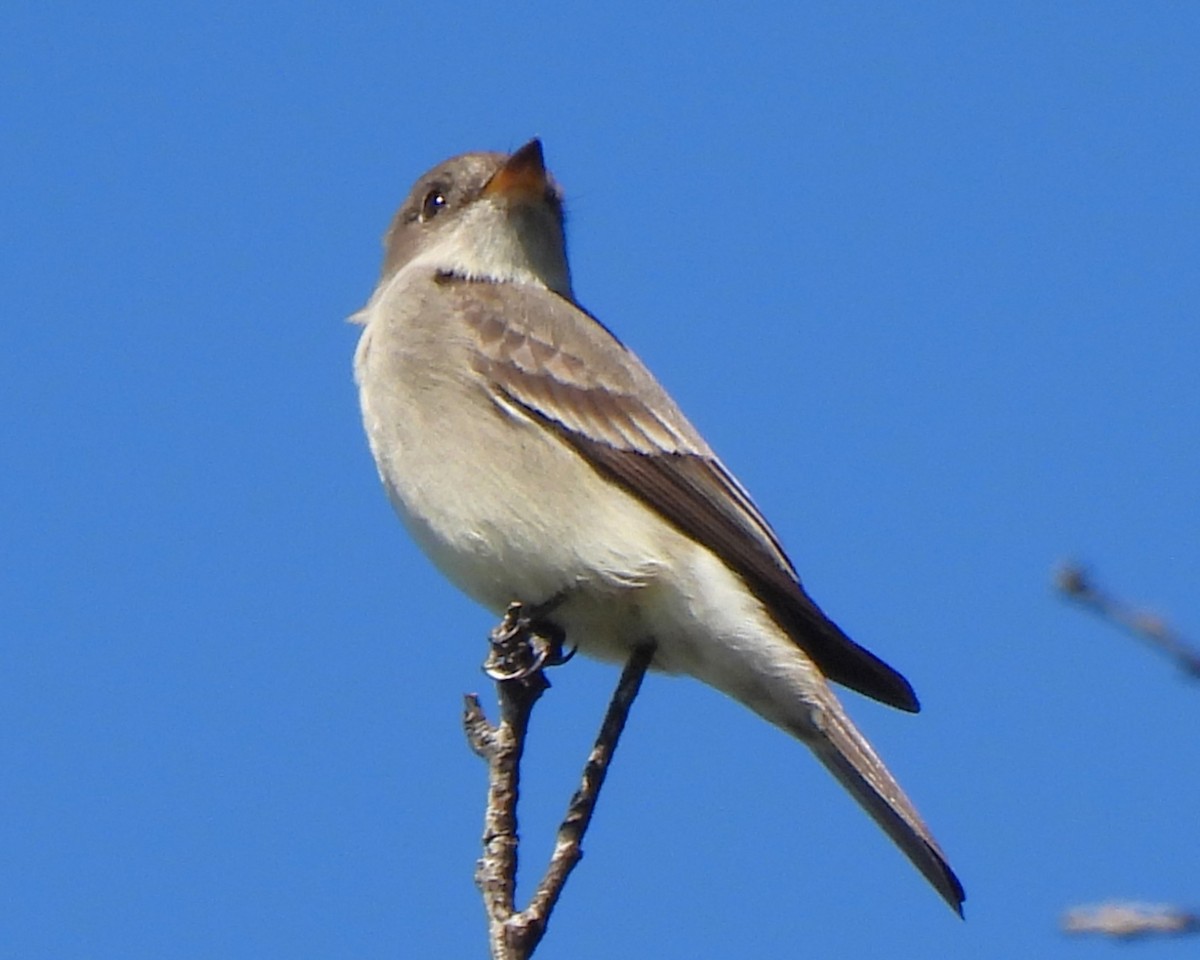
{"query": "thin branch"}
pixel 510 652
pixel 568 849
pixel 1074 583
pixel 1126 921
pixel 519 651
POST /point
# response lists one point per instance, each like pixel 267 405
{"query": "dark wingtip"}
pixel 859 669
pixel 841 659
pixel 907 697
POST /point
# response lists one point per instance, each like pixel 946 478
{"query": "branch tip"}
pixel 520 648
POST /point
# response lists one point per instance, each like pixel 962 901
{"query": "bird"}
pixel 534 458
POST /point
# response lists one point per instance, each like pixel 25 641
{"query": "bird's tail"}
pixel 851 759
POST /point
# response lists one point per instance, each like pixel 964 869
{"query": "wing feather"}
pixel 561 367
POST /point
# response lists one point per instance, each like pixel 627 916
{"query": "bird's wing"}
pixel 544 356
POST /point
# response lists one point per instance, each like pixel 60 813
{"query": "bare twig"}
pixel 1074 583
pixel 511 651
pixel 1125 921
pixel 518 654
pixel 568 850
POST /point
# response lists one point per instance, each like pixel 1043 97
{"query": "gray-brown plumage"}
pixel 532 456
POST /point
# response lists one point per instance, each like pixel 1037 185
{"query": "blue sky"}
pixel 924 274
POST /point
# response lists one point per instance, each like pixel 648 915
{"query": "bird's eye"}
pixel 434 200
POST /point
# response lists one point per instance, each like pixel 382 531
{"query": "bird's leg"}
pixel 525 642
pixel 548 641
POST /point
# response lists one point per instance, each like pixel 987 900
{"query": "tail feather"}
pixel 850 758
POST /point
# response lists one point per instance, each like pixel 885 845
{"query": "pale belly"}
pixel 509 513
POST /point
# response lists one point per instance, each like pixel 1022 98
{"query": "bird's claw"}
pixel 523 644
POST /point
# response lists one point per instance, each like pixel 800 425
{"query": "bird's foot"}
pixel 525 643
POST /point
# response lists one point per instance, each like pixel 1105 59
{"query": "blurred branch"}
pixel 520 649
pixel 1074 583
pixel 1126 921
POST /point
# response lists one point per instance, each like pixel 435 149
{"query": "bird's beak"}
pixel 523 176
